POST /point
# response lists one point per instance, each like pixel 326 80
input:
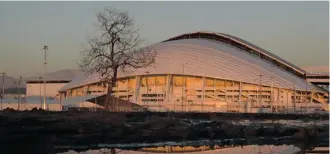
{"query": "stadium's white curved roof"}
pixel 210 58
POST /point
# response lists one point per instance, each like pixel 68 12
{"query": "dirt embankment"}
pixel 90 128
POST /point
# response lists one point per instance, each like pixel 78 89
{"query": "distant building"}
pixel 54 81
pixel 36 88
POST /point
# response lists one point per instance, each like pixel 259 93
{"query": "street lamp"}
pixel 45 63
pixel 40 79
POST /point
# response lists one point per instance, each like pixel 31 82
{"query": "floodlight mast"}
pixel 45 63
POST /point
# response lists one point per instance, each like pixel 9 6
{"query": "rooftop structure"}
pixel 206 71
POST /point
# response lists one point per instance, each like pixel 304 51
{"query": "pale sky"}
pixel 295 31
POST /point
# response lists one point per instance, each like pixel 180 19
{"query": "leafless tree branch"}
pixel 119 46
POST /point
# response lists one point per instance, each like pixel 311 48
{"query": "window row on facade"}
pixel 178 88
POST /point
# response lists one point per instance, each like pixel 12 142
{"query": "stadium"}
pixel 207 72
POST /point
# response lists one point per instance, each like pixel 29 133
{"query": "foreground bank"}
pixel 44 131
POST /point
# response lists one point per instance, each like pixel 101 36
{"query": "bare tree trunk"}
pixel 109 104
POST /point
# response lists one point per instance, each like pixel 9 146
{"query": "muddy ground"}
pixel 42 130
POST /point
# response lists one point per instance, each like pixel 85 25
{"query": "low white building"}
pixel 36 87
pixel 54 81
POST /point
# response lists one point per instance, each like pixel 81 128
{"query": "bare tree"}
pixel 118 46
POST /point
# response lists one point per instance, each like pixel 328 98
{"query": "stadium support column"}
pixel 167 80
pixel 215 94
pixel 306 94
pixel 137 89
pixel 294 98
pixel 19 93
pixel 203 92
pixel 278 98
pixel 146 77
pixel 272 95
pixel 185 92
pixel 61 97
pixel 226 94
pixel 156 91
pixel 311 98
pixel 182 97
pixel 301 103
pixel 287 101
pixel 169 91
pixel 85 90
pixel 260 95
pixel 240 94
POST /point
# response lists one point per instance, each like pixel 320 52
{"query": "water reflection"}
pixel 250 149
pixel 232 146
pixel 284 145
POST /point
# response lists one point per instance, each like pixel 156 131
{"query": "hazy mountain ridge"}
pixel 68 74
pixel 9 82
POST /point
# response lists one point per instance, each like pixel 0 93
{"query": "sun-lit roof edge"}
pixel 242 42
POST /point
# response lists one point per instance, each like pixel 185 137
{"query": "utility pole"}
pixel 40 79
pixel 3 87
pixel 45 63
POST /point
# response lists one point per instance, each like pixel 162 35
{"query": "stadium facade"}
pixel 207 72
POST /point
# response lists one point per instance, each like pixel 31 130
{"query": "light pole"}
pixel 40 79
pixel 3 87
pixel 45 63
